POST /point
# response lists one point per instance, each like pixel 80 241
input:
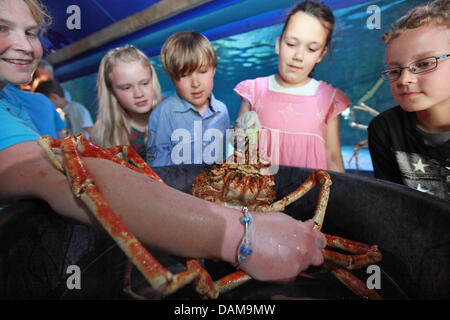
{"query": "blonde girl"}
pixel 128 91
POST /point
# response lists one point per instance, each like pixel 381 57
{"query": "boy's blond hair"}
pixel 437 12
pixel 184 52
pixel 39 13
pixel 112 126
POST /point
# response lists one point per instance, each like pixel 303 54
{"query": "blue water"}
pixel 364 160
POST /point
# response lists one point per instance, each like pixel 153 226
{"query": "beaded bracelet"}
pixel 245 248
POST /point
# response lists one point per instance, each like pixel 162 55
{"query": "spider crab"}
pixel 250 184
pixel 160 279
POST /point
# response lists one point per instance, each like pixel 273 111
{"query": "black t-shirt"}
pixel 400 154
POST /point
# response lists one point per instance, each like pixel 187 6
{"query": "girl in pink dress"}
pixel 300 115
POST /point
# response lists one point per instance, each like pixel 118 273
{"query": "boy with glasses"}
pixel 410 144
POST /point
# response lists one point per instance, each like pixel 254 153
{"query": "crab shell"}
pixel 236 185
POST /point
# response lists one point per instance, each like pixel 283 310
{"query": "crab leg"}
pixel 364 254
pixel 203 284
pixel 316 176
pixel 82 184
pixel 352 282
pixel 324 194
pixel 338 264
pixel 91 149
pixel 47 143
pixel 181 279
pixel 134 157
pixel 231 281
pixel 83 187
pixel 88 148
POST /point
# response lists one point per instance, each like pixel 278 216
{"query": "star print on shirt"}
pixel 424 173
pixel 419 166
pixel 421 189
pixel 289 112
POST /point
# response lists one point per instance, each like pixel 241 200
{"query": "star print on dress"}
pixel 289 112
pixel 321 115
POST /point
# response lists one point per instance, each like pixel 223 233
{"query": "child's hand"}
pixel 246 126
pixel 248 120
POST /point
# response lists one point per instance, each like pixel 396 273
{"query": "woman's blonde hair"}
pixel 437 12
pixel 39 13
pixel 185 51
pixel 112 126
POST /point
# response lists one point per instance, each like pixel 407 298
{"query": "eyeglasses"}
pixel 416 67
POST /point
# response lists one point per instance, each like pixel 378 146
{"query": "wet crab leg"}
pixel 89 149
pixel 336 262
pixel 319 214
pixel 205 286
pixel 134 157
pixel 231 281
pixel 47 143
pixel 351 282
pixel 316 176
pixel 203 283
pixel 83 187
pixel 339 264
pixel 363 254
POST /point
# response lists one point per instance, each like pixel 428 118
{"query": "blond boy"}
pixel 188 127
pixel 410 144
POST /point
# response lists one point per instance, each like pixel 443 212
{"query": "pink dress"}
pixel 296 124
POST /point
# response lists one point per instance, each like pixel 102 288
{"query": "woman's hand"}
pixel 283 247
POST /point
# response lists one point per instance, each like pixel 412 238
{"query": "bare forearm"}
pixel 335 162
pixel 245 107
pixel 333 146
pixel 162 216
pixel 158 215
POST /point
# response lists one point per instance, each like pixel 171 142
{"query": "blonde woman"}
pixel 128 91
pixel 154 212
